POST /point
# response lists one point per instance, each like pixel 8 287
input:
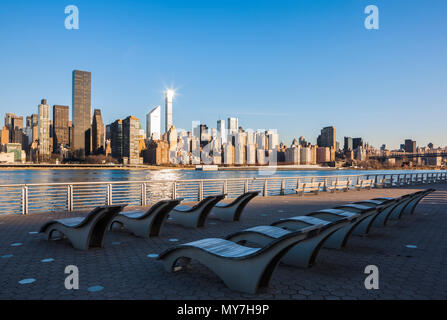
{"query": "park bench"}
pixel 339 185
pixel 308 187
pixel 365 184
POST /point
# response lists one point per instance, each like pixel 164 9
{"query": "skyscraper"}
pixel 131 128
pixel 43 131
pixel 410 146
pixel 221 131
pixel 233 125
pixel 98 133
pixel 327 138
pixel 169 96
pixel 153 124
pixel 348 144
pixel 60 127
pixel 116 130
pixel 82 111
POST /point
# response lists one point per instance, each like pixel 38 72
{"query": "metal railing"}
pixel 31 198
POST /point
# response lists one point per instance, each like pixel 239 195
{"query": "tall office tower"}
pixel 357 142
pixel 4 136
pixel 169 96
pixel 327 138
pixel 8 123
pixel 43 131
pixel 116 133
pixel 233 125
pixel 131 129
pixel 410 146
pixel 98 133
pixel 222 131
pixel 153 124
pixel 60 127
pixel 82 111
pixel 348 144
pixel 273 140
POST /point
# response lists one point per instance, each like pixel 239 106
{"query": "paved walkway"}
pixel 123 270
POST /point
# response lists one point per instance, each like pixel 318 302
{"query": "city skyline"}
pixel 302 86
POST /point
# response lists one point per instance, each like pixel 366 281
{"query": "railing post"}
pixel 246 186
pixel 201 190
pixel 174 190
pixel 225 187
pixel 69 197
pixel 109 195
pixel 283 187
pixel 143 194
pixel 325 184
pixel 265 187
pixel 24 200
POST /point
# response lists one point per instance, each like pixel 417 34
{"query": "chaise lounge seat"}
pixel 84 233
pixel 303 254
pixel 402 203
pixel 386 207
pixel 232 211
pixel 195 217
pixel 368 215
pixel 241 268
pixel 147 223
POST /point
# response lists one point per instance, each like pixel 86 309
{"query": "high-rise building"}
pixel 116 132
pixel 82 111
pixel 4 136
pixel 348 144
pixel 43 131
pixel 221 131
pixel 327 138
pixel 131 129
pixel 233 125
pixel 169 97
pixel 60 127
pixel 357 142
pixel 98 133
pixel 153 124
pixel 410 146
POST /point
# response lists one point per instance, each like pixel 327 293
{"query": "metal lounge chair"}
pixel 84 233
pixel 147 223
pixel 195 217
pixel 398 209
pixel 368 215
pixel 232 211
pixel 241 268
pixel 338 239
pixel 411 205
pixel 386 207
pixel 304 253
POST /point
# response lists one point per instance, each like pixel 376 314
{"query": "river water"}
pixel 98 175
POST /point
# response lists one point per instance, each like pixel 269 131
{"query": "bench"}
pixel 365 184
pixel 313 187
pixel 339 185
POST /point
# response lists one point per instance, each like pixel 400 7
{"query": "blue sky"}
pixel 295 66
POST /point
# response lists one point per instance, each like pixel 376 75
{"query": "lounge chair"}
pixel 411 205
pixel 147 223
pixel 194 217
pixel 339 238
pixel 84 233
pixel 386 207
pixel 241 268
pixel 232 211
pixel 398 209
pixel 368 215
pixel 304 253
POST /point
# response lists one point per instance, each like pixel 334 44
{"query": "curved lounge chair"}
pixel 241 268
pixel 338 239
pixel 386 207
pixel 194 217
pixel 368 215
pixel 303 254
pixel 411 206
pixel 147 223
pixel 84 233
pixel 398 209
pixel 232 211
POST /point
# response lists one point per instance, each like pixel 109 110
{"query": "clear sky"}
pixel 295 66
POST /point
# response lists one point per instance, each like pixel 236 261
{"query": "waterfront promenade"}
pixel 123 269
